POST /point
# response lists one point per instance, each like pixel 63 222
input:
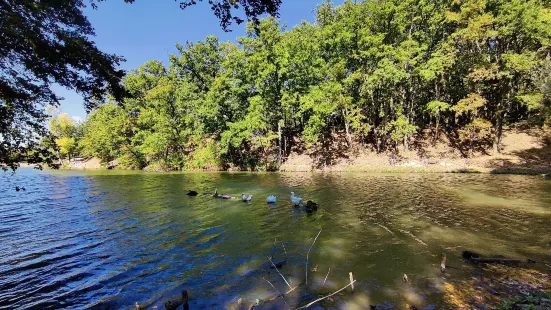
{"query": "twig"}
pixel 351 280
pixel 280 273
pixel 413 236
pixel 326 276
pixel 284 248
pixel 289 291
pixel 322 298
pixel 277 292
pixel 487 287
pixel 308 254
pixel 385 228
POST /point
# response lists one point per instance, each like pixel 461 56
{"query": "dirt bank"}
pixel 87 164
pixel 523 152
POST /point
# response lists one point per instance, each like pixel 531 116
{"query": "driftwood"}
pixel 443 263
pixel 216 195
pixel 477 258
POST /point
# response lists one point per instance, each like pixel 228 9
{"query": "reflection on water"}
pixel 109 240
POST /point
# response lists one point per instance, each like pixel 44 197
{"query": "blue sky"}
pixel 150 29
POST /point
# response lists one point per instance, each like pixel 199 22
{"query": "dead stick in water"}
pixel 328 271
pixel 322 298
pixel 487 287
pixel 413 236
pixel 280 273
pixel 308 254
pixel 351 280
pixel 277 291
pixel 499 260
pixel 477 258
pixel 385 228
pixel 284 248
pixel 443 263
pixel 289 291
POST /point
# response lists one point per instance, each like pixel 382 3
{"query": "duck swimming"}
pixel 192 193
pixel 311 206
pixel 295 200
pixel 271 199
pixel 246 197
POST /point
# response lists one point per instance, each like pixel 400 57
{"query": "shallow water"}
pixel 108 240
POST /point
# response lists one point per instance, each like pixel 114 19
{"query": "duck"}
pixel 311 206
pixel 192 193
pixel 17 188
pixel 271 199
pixel 246 197
pixel 295 200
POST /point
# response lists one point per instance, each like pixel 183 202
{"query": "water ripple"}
pixel 78 241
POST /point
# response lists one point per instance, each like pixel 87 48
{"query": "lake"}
pixel 106 240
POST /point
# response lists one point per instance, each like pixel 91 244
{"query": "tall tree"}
pixel 49 42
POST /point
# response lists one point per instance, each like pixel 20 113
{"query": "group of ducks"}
pixel 295 200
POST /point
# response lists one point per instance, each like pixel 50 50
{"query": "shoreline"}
pixel 524 152
pixel 431 169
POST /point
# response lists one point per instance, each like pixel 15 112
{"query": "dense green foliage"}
pixel 42 43
pixel 50 41
pixel 372 72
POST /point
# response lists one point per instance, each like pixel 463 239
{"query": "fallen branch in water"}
pixel 280 273
pixel 322 298
pixel 308 254
pixel 499 260
pixel 279 294
pixel 477 258
pixel 289 291
pixel 385 228
pixel 443 263
pixel 351 280
pixel 487 287
pixel 413 236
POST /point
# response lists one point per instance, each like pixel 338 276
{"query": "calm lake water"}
pixel 108 240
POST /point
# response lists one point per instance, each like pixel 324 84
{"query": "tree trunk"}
pixel 347 128
pixel 498 134
pixel 406 146
pixel 280 141
pixel 436 134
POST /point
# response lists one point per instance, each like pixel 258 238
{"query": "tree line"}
pixel 375 73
